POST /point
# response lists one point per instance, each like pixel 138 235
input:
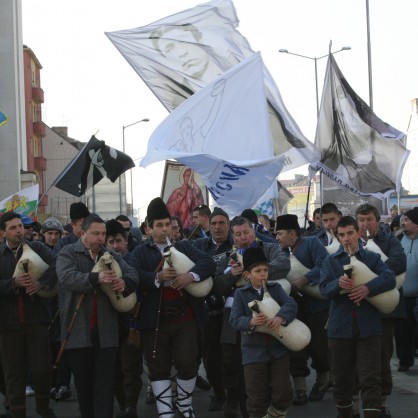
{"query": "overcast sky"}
pixel 89 86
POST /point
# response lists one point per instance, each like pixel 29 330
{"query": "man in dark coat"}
pixel 169 314
pixel 24 319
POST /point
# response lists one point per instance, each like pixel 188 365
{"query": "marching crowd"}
pixel 114 309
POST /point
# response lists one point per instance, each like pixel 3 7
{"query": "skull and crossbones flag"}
pixel 95 161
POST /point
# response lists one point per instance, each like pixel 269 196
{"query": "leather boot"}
pixel 345 411
pixel 371 413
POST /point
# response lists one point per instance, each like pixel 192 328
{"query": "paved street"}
pixel 403 403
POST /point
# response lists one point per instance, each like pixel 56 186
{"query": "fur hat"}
pixel 114 227
pixel 250 215
pixel 253 256
pixel 412 214
pixel 287 222
pixel 157 210
pixel 52 224
pixel 218 212
pixel 79 210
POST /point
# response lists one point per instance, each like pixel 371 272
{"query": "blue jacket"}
pixel 145 258
pixel 341 313
pixel 311 253
pixel 410 286
pixel 62 242
pixel 258 347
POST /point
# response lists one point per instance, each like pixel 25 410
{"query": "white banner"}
pixel 222 132
pixel 235 186
pixel 180 54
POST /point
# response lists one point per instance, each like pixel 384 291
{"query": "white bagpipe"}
pixel 183 264
pixel 295 336
pixel 297 269
pixel 118 301
pixel 30 262
pixel 372 246
pixel 385 302
pixel 237 257
pixel 333 247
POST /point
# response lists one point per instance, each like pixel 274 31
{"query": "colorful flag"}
pixel 3 118
pixel 95 161
pixel 24 202
pixel 222 132
pixel 266 208
pixel 359 151
pixel 180 54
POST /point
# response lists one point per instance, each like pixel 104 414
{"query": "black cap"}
pixel 218 212
pixel 250 215
pixel 412 214
pixel 253 256
pixel 157 210
pixel 287 222
pixel 79 210
pixel 114 227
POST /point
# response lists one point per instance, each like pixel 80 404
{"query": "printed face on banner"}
pixel 182 47
pixel 180 54
pixel 183 190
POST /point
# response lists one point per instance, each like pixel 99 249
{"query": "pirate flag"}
pixel 95 161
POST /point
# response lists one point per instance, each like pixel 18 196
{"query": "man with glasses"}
pixel 27 225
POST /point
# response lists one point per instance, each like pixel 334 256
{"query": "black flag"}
pixel 95 161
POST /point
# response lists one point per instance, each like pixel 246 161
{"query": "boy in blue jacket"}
pixel 265 359
pixel 354 327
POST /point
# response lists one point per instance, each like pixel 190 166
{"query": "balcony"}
pixel 37 95
pixel 39 129
pixel 40 163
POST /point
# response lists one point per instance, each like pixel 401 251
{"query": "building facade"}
pixel 35 127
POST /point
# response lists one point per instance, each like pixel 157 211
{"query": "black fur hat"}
pixel 253 256
pixel 114 227
pixel 79 210
pixel 287 222
pixel 157 210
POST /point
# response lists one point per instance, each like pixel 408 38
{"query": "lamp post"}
pixel 120 181
pixel 315 60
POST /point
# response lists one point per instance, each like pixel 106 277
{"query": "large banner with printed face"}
pixel 180 54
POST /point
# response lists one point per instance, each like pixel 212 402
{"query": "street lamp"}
pixel 315 59
pixel 120 181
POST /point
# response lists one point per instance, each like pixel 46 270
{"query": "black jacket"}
pixel 35 310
